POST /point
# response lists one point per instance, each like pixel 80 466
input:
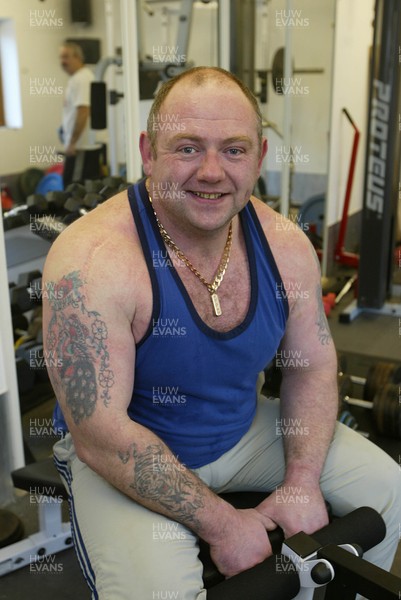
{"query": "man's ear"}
pixel 263 152
pixel 146 151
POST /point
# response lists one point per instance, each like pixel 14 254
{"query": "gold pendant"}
pixel 216 304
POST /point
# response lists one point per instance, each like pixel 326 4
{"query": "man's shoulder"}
pixel 104 239
pixel 289 244
pixel 84 74
pixel 279 229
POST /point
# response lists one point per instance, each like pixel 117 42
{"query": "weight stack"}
pixel 382 166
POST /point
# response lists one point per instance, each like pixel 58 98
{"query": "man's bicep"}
pixel 308 342
pixel 90 352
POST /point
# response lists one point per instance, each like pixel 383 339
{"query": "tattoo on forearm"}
pixel 159 477
pixel 77 347
pixel 323 331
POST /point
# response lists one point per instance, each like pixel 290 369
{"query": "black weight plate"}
pixel 378 375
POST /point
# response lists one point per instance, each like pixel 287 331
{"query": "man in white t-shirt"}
pixel 76 107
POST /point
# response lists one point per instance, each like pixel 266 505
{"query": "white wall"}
pixel 312 28
pixel 312 131
pixel 40 29
pixel 353 39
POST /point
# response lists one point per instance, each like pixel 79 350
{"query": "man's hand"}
pixel 71 150
pixel 296 508
pixel 244 544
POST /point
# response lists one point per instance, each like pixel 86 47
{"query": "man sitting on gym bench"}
pixel 168 301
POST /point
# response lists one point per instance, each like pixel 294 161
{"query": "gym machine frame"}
pixel 382 169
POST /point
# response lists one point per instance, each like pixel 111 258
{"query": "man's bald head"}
pixel 198 77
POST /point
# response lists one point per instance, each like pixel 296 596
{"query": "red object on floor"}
pixel 329 301
pixel 6 201
pixel 57 168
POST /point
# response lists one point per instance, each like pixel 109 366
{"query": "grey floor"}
pixel 362 342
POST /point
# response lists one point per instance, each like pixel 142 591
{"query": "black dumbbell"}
pixel 124 186
pixel 74 209
pixel 91 200
pixel 56 200
pixel 76 189
pixel 37 204
pixel 18 216
pixel 93 185
pixel 113 181
pixel 21 297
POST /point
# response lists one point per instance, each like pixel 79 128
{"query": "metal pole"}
pixel 12 455
pixel 286 172
pixel 224 33
pixel 111 84
pixel 131 88
pixel 383 159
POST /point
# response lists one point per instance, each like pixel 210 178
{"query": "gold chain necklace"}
pixel 215 284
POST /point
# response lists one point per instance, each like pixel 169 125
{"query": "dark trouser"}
pixel 85 164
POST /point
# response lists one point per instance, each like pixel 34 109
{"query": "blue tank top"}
pixel 196 387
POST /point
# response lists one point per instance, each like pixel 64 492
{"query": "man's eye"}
pixel 187 150
pixel 235 151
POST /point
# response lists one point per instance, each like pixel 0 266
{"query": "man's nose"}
pixel 211 168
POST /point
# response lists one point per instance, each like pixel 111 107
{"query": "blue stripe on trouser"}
pixel 79 545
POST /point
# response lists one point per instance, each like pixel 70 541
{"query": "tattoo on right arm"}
pixel 159 477
pixel 77 346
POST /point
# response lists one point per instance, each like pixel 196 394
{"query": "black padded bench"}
pixel 42 480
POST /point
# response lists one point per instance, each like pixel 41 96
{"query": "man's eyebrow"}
pixel 196 138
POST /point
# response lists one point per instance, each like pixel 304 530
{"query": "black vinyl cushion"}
pixel 40 475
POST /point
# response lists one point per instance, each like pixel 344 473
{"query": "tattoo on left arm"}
pixel 323 331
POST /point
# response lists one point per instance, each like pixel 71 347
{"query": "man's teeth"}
pixel 208 196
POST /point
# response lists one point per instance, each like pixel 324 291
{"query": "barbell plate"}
pixel 387 409
pixel 378 375
pixel 277 70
